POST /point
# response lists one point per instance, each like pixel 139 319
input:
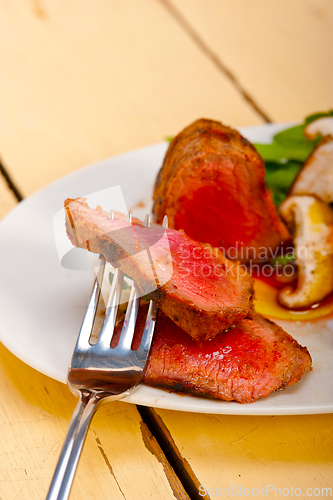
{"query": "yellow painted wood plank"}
pixel 239 452
pixel 280 51
pixel 117 461
pixel 7 199
pixel 86 80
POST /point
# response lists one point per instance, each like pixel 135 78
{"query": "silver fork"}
pixel 99 373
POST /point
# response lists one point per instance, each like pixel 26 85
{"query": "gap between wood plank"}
pixel 154 448
pixel 10 182
pixel 179 464
pixel 213 57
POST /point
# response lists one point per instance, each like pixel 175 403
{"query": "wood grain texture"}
pixel 88 80
pixel 245 452
pixel 280 52
pixel 116 461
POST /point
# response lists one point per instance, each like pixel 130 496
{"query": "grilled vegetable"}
pixel 311 223
pixel 316 175
pixel 322 126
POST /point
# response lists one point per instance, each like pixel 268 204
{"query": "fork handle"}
pixel 72 447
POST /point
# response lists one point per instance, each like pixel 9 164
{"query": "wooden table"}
pixel 81 81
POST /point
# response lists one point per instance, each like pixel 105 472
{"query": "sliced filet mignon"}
pixel 244 363
pixel 199 289
pixel 212 185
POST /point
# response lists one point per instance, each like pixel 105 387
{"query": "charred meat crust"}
pixel 212 185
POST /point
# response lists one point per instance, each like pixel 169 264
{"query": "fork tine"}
pixel 148 330
pixel 127 332
pixel 105 336
pixel 89 317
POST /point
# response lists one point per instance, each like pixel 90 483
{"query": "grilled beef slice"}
pixel 199 289
pixel 212 185
pixel 244 363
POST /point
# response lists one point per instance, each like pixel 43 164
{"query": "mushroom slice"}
pixel 316 175
pixel 311 223
pixel 322 126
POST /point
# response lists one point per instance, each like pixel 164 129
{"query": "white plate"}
pixel 42 303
